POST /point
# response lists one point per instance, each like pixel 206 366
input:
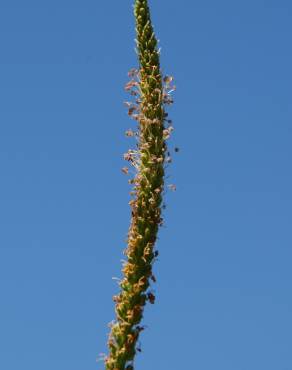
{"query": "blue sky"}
pixel 224 273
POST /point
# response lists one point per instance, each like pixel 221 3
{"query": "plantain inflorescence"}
pixel 150 93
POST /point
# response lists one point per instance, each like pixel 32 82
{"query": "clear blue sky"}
pixel 224 273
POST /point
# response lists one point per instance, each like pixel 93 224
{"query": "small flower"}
pixel 133 72
pixel 168 160
pixel 129 85
pixel 172 187
pixel 151 298
pixel 167 79
pixel 130 133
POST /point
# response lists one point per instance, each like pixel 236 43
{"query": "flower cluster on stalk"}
pixel 150 95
